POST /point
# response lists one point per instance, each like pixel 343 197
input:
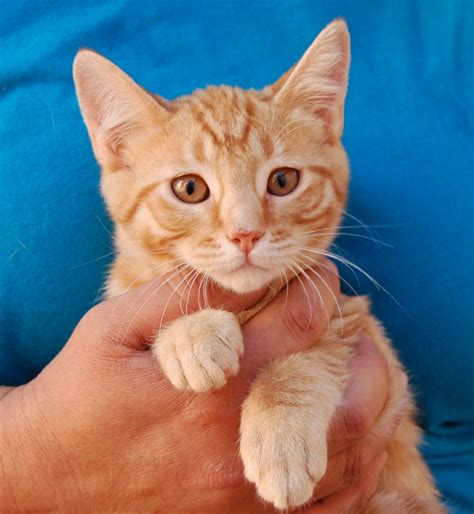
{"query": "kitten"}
pixel 241 187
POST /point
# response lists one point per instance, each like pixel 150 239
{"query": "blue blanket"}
pixel 409 133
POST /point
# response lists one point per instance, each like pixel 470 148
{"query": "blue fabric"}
pixel 409 133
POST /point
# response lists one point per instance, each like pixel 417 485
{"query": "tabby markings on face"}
pixel 241 186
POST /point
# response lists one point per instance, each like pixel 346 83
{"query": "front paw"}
pixel 200 351
pixel 283 454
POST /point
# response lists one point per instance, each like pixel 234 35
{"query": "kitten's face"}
pixel 244 187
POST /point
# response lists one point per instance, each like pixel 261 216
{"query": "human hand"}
pixel 105 427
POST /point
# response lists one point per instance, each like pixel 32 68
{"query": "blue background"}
pixel 409 134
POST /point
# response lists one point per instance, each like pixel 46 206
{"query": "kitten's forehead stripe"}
pixel 234 139
pixel 230 124
pixel 198 150
pixel 201 119
pixel 267 145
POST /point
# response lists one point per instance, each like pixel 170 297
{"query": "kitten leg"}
pixel 285 421
pixel 406 485
pixel 200 351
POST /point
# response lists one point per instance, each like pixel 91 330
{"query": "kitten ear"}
pixel 112 104
pixel 318 82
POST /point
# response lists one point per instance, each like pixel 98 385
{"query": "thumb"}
pixel 133 318
pixel 294 319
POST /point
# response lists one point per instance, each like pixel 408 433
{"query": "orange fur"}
pixel 234 139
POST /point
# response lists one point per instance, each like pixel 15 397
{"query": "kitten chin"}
pixel 245 280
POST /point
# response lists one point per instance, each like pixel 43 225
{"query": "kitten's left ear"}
pixel 318 82
pixel 113 106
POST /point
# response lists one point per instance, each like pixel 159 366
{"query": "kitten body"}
pixel 244 188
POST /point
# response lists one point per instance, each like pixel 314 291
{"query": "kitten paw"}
pixel 281 457
pixel 201 351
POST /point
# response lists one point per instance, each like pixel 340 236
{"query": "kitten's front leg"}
pixel 200 351
pixel 285 421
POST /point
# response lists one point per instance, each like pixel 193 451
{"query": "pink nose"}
pixel 246 239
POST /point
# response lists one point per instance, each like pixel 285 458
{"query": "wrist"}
pixel 25 478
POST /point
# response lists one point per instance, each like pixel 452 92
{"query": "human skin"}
pixel 102 430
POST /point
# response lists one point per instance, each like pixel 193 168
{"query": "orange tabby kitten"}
pixel 243 187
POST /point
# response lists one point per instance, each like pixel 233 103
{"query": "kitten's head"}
pixel 242 186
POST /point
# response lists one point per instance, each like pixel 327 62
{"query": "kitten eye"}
pixel 190 188
pixel 283 181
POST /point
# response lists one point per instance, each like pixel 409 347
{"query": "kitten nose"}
pixel 246 239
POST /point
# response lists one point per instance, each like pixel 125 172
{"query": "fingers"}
pixel 354 498
pixel 364 398
pixel 353 444
pixel 133 318
pixel 349 466
pixel 293 320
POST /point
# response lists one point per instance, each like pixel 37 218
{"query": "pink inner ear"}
pixel 112 104
pixel 319 80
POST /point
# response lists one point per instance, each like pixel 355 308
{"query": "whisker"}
pixel 350 264
pixel 288 132
pixel 340 249
pixel 348 234
pixel 320 297
pixel 303 271
pixel 194 278
pixel 92 261
pixel 153 270
pixel 357 227
pixel 104 227
pixel 187 286
pixel 362 224
pixel 176 272
pixel 289 124
pixel 306 294
pixel 313 250
pixel 175 290
pixel 333 296
pixel 206 297
pixel 342 279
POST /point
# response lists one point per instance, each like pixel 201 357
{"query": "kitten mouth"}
pixel 244 276
pixel 247 265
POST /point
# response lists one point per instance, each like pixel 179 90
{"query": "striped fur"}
pixel 234 139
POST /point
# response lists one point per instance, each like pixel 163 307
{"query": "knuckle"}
pixel 98 324
pixel 358 422
pixel 89 323
pixel 299 322
pixel 355 467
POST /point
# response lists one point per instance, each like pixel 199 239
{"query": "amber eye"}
pixel 190 188
pixel 283 181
